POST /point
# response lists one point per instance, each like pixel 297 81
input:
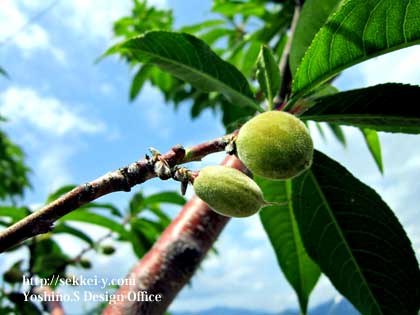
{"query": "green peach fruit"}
pixel 275 145
pixel 228 191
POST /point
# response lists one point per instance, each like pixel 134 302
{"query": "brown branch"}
pixel 123 179
pixel 284 65
pixel 172 261
pixel 174 258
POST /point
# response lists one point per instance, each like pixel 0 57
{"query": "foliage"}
pixel 139 225
pixel 280 223
pixel 268 75
pixel 324 221
pixel 239 43
pixel 329 221
pixel 4 73
pixel 355 233
pixel 13 170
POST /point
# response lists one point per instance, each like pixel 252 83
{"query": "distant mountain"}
pixel 224 311
pixel 338 306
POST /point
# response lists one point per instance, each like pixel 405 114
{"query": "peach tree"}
pixel 256 58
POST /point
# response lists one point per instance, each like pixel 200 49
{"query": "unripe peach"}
pixel 228 191
pixel 275 145
pixel 108 250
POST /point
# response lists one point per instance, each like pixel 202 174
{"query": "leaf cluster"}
pixel 330 223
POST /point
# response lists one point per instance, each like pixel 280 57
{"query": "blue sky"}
pixel 75 122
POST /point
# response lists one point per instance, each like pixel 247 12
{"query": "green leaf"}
pixel 281 227
pixel 313 16
pixel 164 197
pixel 338 133
pixel 136 203
pixel 199 27
pixel 139 203
pixel 139 79
pixel 231 8
pixel 374 145
pixel 48 259
pixel 138 243
pixel 4 73
pixel 214 35
pixel 356 239
pixel 268 74
pixel 23 305
pixel 163 218
pixel 144 234
pixel 357 31
pixel 191 60
pixel 97 219
pixel 249 59
pixel 151 230
pixel 14 274
pixel 59 192
pixel 102 206
pixel 387 107
pixel 64 228
pixel 320 130
pixel 13 171
pixel 234 116
pixel 15 213
pixel 301 105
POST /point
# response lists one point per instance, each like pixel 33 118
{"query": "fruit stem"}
pixel 274 203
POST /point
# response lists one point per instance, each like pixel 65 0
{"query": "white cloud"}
pixel 91 19
pixel 106 88
pixel 26 108
pixel 153 106
pixel 53 168
pixel 27 37
pixel 95 18
pixel 400 66
pixel 242 275
pixel 255 229
pixel 323 292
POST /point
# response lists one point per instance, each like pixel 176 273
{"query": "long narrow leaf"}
pixel 386 107
pixel 357 31
pixel 356 239
pixel 191 60
pixel 374 145
pixel 280 224
pixel 313 16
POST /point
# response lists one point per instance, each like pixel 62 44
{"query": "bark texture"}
pixel 172 261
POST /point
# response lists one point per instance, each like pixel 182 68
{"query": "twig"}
pixel 31 21
pixel 174 258
pixel 170 264
pixel 123 179
pixel 99 241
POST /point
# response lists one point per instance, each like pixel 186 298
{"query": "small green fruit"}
pixel 85 264
pixel 108 250
pixel 13 275
pixel 275 145
pixel 228 191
